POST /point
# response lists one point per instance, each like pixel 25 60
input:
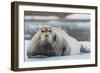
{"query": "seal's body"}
pixel 52 41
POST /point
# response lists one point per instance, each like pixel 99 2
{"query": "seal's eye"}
pixel 42 31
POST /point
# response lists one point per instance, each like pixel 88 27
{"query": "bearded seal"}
pixel 52 41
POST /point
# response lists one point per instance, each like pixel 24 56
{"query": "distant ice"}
pixel 79 16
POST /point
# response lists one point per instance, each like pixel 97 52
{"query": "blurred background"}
pixel 75 24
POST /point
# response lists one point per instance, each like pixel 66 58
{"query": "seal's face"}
pixel 46 33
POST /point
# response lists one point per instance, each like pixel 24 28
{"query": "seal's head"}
pixel 46 33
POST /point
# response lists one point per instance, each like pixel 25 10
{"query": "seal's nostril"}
pixel 46 35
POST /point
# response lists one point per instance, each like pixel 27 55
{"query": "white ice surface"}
pixel 71 57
